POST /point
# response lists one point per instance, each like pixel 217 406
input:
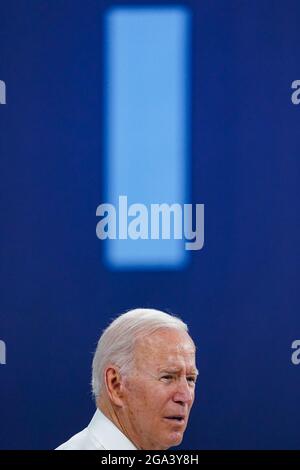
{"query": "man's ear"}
pixel 114 385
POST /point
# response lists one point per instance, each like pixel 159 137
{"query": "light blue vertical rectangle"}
pixel 147 122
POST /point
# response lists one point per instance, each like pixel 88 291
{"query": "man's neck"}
pixel 106 407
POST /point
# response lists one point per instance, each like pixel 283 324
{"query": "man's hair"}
pixel 116 344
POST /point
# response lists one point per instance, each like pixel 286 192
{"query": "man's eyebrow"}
pixel 172 370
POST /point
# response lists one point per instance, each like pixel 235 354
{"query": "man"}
pixel 144 377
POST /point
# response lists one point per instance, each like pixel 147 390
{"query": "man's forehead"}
pixel 165 344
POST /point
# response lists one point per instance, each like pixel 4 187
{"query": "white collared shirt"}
pixel 100 434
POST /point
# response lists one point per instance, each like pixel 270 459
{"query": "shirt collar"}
pixel 106 433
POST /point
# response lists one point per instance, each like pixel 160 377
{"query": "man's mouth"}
pixel 175 418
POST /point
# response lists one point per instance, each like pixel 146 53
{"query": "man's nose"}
pixel 184 393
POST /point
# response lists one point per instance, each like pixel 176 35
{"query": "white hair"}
pixel 116 344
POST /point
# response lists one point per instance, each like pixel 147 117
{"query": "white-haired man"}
pixel 144 377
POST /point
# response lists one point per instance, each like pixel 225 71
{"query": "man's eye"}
pixel 191 379
pixel 167 378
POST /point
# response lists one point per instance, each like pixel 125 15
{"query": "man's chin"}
pixel 173 442
pixel 175 438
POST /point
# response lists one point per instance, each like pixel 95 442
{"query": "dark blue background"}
pixel 240 294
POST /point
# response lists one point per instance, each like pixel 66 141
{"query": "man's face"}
pixel 159 392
